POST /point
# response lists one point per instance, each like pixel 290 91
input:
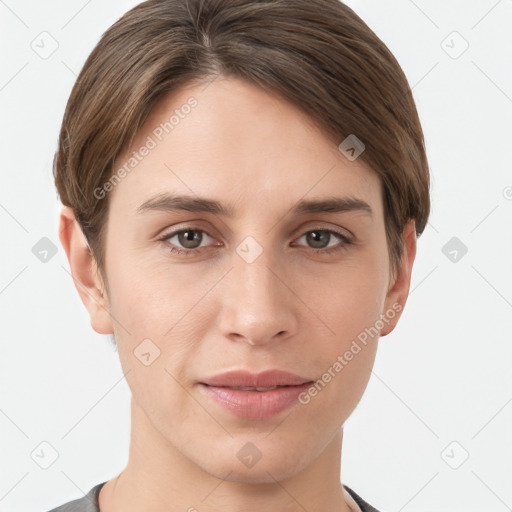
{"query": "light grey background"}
pixel 441 389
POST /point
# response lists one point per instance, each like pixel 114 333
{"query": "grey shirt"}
pixel 89 503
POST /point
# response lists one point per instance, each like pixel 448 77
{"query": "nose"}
pixel 258 305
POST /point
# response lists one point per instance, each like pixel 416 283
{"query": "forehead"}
pixel 230 139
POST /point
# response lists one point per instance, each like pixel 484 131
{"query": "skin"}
pixel 213 311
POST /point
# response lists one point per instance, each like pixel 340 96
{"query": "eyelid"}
pixel 334 228
pixel 342 231
pixel 171 234
pixel 193 225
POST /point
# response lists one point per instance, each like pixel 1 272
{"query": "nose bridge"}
pixel 258 304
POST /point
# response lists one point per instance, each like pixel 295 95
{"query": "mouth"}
pixel 254 402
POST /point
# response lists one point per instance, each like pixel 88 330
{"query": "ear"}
pixel 84 272
pixel 400 283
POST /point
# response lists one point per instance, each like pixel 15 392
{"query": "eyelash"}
pixel 345 241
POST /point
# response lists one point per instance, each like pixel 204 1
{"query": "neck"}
pixel 158 477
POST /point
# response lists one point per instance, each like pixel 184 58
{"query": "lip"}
pixel 253 403
pixel 245 378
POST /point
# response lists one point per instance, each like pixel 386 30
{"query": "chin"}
pixel 261 469
pixel 268 474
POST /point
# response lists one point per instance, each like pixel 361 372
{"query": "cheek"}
pixel 348 303
pixel 159 315
pixel 154 338
pixel 347 298
pixel 344 356
pixel 146 297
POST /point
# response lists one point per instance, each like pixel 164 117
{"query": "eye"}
pixel 320 240
pixel 188 238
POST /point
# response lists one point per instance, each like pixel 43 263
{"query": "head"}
pixel 298 126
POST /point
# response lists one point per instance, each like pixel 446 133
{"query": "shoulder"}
pixel 88 503
pixel 363 505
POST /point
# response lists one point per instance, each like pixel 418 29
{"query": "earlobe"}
pixel 399 291
pixel 84 272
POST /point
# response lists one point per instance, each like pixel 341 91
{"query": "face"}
pixel 262 285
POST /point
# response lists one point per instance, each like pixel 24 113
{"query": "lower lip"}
pixel 255 404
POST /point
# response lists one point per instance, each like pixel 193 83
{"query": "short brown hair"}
pixel 317 54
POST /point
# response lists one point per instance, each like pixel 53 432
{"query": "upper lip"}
pixel 244 378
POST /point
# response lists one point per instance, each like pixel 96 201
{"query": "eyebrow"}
pixel 170 202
